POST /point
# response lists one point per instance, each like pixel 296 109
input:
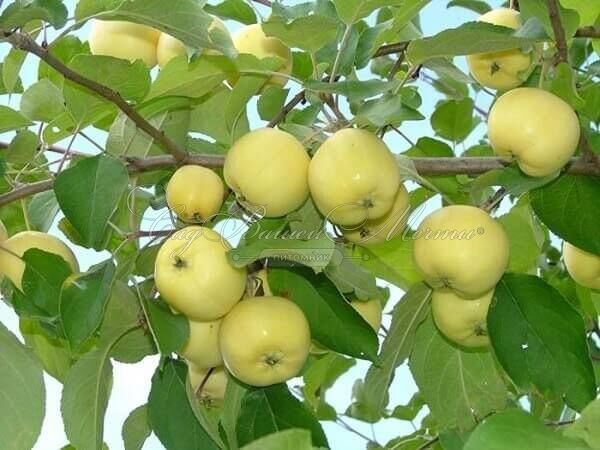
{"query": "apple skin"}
pixel 252 40
pixel 583 267
pixel 462 321
pixel 268 170
pixel 353 177
pixel 194 277
pixel 202 347
pixel 265 340
pixel 536 128
pixel 167 48
pixel 384 229
pixel 370 310
pixel 195 193
pixel 215 386
pixel 505 69
pixel 124 40
pixel 14 267
pixel 471 262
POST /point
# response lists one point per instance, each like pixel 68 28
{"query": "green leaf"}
pixel 521 430
pixel 351 278
pixel 272 409
pixel 271 102
pixel 510 178
pixel 467 39
pixel 538 9
pixel 20 13
pixel 136 428
pixel 453 119
pixel 388 109
pixel 11 67
pixel 586 427
pixel 353 90
pixel 42 210
pixel 23 393
pixel 23 148
pixel 42 101
pixel 207 416
pixel 564 86
pixel 407 315
pixel 283 440
pixel 235 110
pixel 63 49
pixel 171 331
pixel 168 401
pixel 12 120
pixel 307 33
pixel 88 194
pixel 334 323
pixel 237 10
pixel 232 404
pixel 539 339
pixel 569 207
pixel 477 6
pixel 459 387
pixel 83 301
pixel 351 11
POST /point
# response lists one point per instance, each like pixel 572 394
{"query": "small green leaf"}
pixel 42 210
pixel 42 101
pixel 170 330
pixel 453 119
pixel 307 33
pixel 237 10
pixel 136 428
pixel 538 9
pixel 283 440
pixel 353 90
pixel 563 85
pixel 20 13
pixel 12 120
pixel 271 102
pixel 22 148
pixel 477 6
pixel 586 427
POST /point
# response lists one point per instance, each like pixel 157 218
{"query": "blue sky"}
pixel 132 382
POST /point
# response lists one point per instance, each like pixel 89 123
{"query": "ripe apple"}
pixel 202 347
pixel 252 40
pixel 461 248
pixel 193 276
pixel 213 390
pixel 15 247
pixel 370 310
pixel 536 128
pixel 124 40
pixel 353 177
pixel 583 267
pixel 504 69
pixel 460 320
pixel 195 193
pixel 387 227
pixel 268 171
pixel 167 48
pixel 265 340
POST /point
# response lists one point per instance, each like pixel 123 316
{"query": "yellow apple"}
pixel 15 247
pixel 387 227
pixel 353 177
pixel 504 69
pixel 193 276
pixel 215 383
pixel 167 48
pixel 462 321
pixel 252 40
pixel 461 248
pixel 268 171
pixel 195 193
pixel 370 310
pixel 265 340
pixel 202 346
pixel 534 127
pixel 583 267
pixel 124 40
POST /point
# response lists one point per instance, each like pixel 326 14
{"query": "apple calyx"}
pixel 272 359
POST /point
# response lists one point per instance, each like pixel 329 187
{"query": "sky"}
pixel 132 382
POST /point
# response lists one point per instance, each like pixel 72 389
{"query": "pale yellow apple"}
pixel 193 275
pixel 202 346
pixel 504 69
pixel 461 248
pixel 583 267
pixel 462 321
pixel 387 227
pixel 167 48
pixel 268 171
pixel 215 383
pixel 252 40
pixel 534 127
pixel 15 247
pixel 265 340
pixel 370 310
pixel 353 177
pixel 195 193
pixel 124 40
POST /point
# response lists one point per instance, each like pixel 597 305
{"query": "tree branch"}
pixel 559 33
pixel 588 32
pixel 299 98
pixel 26 43
pixel 391 49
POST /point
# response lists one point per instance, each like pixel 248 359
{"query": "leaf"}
pixel 538 9
pixel 237 10
pixel 467 39
pixel 168 400
pixel 569 208
pixel 459 387
pixel 83 301
pixel 11 67
pixel 307 33
pixel 11 120
pixel 407 315
pixel 564 86
pixel 389 109
pixel 42 210
pixel 353 90
pixel 171 331
pixel 453 119
pixel 42 101
pixel 351 11
pixel 271 102
pixel 477 6
pixel 521 430
pixel 539 339
pixel 207 416
pixel 136 428
pixel 586 427
pixel 88 194
pixel 234 394
pixel 510 178
pixel 23 393
pixel 245 88
pixel 351 278
pixel 284 440
pixel 334 323
pixel 20 13
pixel 272 409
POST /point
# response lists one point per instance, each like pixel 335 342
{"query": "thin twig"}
pixel 559 33
pixel 588 32
pixel 338 56
pixel 391 49
pixel 298 98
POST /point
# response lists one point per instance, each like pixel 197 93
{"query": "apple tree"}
pixel 257 188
